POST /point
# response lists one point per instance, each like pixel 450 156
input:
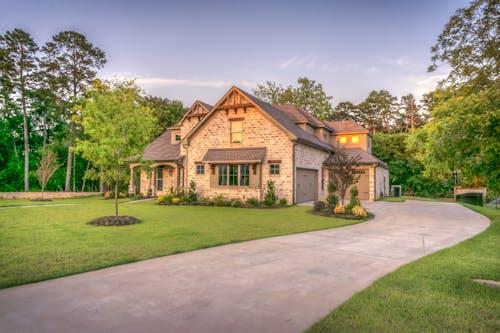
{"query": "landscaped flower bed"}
pixel 331 207
pixel 179 197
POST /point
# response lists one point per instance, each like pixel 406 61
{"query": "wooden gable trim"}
pixel 219 104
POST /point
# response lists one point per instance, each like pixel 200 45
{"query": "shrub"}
pixel 319 206
pixel 354 200
pixel 339 209
pixel 252 202
pixel 107 195
pixel 332 198
pixel 283 202
pixel 111 195
pixel 359 211
pixel 165 199
pixel 149 192
pixel 192 196
pixel 219 201
pixel 204 202
pixel 236 203
pixel 177 200
pixel 270 198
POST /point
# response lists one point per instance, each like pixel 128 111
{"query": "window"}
pixel 236 131
pixel 343 139
pixel 355 139
pixel 177 137
pixel 222 174
pixel 159 178
pixel 200 169
pixel 233 175
pixel 244 175
pixel 274 169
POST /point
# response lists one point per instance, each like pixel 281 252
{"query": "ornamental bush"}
pixel 270 198
pixel 339 209
pixel 319 206
pixel 354 200
pixel 359 211
pixel 332 198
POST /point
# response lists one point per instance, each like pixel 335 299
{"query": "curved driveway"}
pixel 279 284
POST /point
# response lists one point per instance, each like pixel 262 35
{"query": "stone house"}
pixel 236 146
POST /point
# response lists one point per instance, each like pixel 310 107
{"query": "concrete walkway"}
pixel 279 284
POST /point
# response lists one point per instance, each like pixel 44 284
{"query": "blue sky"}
pixel 192 50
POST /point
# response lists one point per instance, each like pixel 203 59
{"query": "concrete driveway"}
pixel 279 284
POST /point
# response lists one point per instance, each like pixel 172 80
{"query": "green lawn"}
pixel 41 243
pixel 433 294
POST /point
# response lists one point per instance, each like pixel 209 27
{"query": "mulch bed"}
pixel 328 213
pixel 114 221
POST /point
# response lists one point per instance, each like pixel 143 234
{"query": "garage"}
pixel 307 185
pixel 363 185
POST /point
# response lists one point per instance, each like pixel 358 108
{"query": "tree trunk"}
pixel 74 172
pixel 84 179
pixel 15 150
pixel 69 163
pixel 26 147
pixel 44 133
pixel 43 186
pixel 116 199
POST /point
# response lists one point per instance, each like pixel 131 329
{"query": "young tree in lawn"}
pixel 70 63
pixel 46 169
pixel 18 67
pixel 117 126
pixel 343 171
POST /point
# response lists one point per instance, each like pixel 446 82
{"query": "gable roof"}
pixel 162 149
pixel 300 116
pixel 280 118
pixel 347 126
pixel 204 105
pixel 288 124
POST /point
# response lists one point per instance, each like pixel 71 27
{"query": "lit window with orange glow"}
pixel 343 139
pixel 355 139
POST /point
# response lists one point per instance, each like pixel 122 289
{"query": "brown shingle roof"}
pixel 300 115
pixel 162 149
pixel 288 123
pixel 235 155
pixel 364 157
pixel 347 126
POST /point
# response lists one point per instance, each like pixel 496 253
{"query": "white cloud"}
pixel 308 61
pixel 149 81
pixel 425 83
pixel 403 61
pixel 372 69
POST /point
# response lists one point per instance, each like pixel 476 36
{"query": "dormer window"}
pixel 343 139
pixel 355 139
pixel 236 131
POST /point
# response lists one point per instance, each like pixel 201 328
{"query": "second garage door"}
pixel 307 185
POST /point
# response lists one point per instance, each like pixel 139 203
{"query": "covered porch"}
pixel 160 177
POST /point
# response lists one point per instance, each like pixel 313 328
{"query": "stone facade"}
pixel 258 131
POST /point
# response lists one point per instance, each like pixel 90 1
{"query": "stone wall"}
pixel 310 158
pixel 46 195
pixel 258 131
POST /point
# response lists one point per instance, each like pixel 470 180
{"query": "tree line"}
pixel 451 136
pixel 41 92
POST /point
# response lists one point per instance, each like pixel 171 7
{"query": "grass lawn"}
pixel 41 243
pixel 433 294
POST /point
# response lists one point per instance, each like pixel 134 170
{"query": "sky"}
pixel 190 50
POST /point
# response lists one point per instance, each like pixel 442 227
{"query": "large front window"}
pixel 234 175
pixel 223 174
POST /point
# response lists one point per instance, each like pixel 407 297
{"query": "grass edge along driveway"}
pixel 41 243
pixel 433 294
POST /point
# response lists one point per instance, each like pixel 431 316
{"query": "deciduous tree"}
pixel 117 126
pixel 48 165
pixel 343 171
